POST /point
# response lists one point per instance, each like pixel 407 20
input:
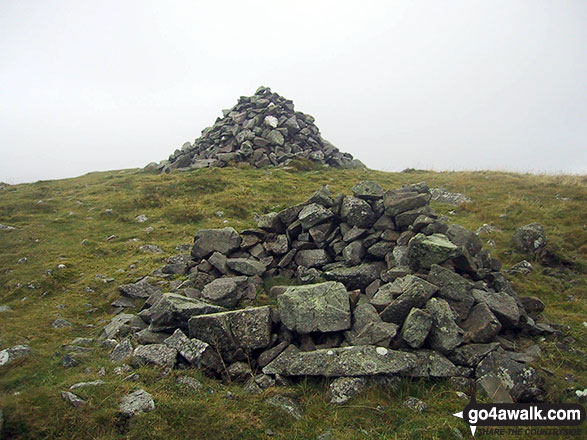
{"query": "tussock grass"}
pixel 177 205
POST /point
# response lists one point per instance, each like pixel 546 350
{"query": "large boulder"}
pixel 208 241
pixel 530 238
pixel 363 360
pixel 357 212
pixel 322 307
pixel 245 330
pixel 503 306
pixel 426 250
pixel 173 311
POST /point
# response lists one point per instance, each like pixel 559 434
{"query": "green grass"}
pixel 74 210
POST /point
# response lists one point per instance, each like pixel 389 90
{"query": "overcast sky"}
pixel 445 85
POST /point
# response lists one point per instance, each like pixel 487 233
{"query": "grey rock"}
pixel 445 334
pixel 173 311
pixel 277 245
pixel 523 267
pixel 532 305
pixel 122 352
pixel 415 293
pixel 416 327
pixel 356 277
pixel 455 289
pixel 9 355
pixel 360 360
pixel 159 355
pixel 426 250
pixel 146 337
pixel 353 253
pixel 312 258
pixel 225 292
pixel 471 354
pixel 462 237
pixel 398 202
pixel 503 306
pixel 415 404
pixel 320 307
pixel 190 382
pixel 342 389
pixel 530 238
pixel 322 197
pixel 357 212
pixel 197 353
pixel 481 326
pixel 4 309
pixel 60 323
pixel 142 290
pixel 246 266
pixel 208 241
pixel 72 399
pixel 441 195
pixel 268 355
pixel 93 383
pixel 367 190
pixel 68 361
pixel 432 364
pixel 269 222
pixel 136 402
pixel 150 248
pixel 314 214
pixel 228 332
pixel 368 328
pixel 289 405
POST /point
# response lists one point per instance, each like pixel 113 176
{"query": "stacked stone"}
pixel 396 291
pixel 262 130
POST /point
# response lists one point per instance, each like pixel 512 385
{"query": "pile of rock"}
pixel 396 291
pixel 262 130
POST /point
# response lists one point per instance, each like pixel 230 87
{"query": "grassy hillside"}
pixel 68 221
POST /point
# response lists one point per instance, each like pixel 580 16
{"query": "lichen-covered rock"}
pixel 159 355
pixel 348 361
pixel 122 352
pixel 445 334
pixel 312 258
pixel 288 404
pixel 452 287
pixel 397 202
pixel 368 328
pixel 503 306
pixel 247 330
pixel 246 266
pixel 430 363
pixel 208 241
pixel 136 402
pixel 141 289
pixel 320 307
pixel 415 293
pixel 356 277
pixel 530 238
pixel 481 326
pixel 357 212
pixel 197 353
pixel 416 327
pixel 225 292
pixel 426 250
pixel 342 389
pixel 11 354
pixel 173 311
pixel 367 190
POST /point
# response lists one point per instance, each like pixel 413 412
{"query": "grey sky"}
pixel 88 85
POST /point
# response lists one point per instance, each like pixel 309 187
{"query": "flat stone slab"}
pixel 364 360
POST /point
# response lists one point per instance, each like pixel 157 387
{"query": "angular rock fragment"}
pixel 136 402
pixel 208 241
pixel 159 355
pixel 426 250
pixel 342 389
pixel 481 326
pixel 368 328
pixel 356 277
pixel 320 307
pixel 173 311
pixel 416 327
pixel 227 332
pixel 445 334
pixel 225 292
pixel 415 293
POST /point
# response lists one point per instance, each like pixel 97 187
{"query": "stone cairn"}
pixel 262 130
pixel 390 290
